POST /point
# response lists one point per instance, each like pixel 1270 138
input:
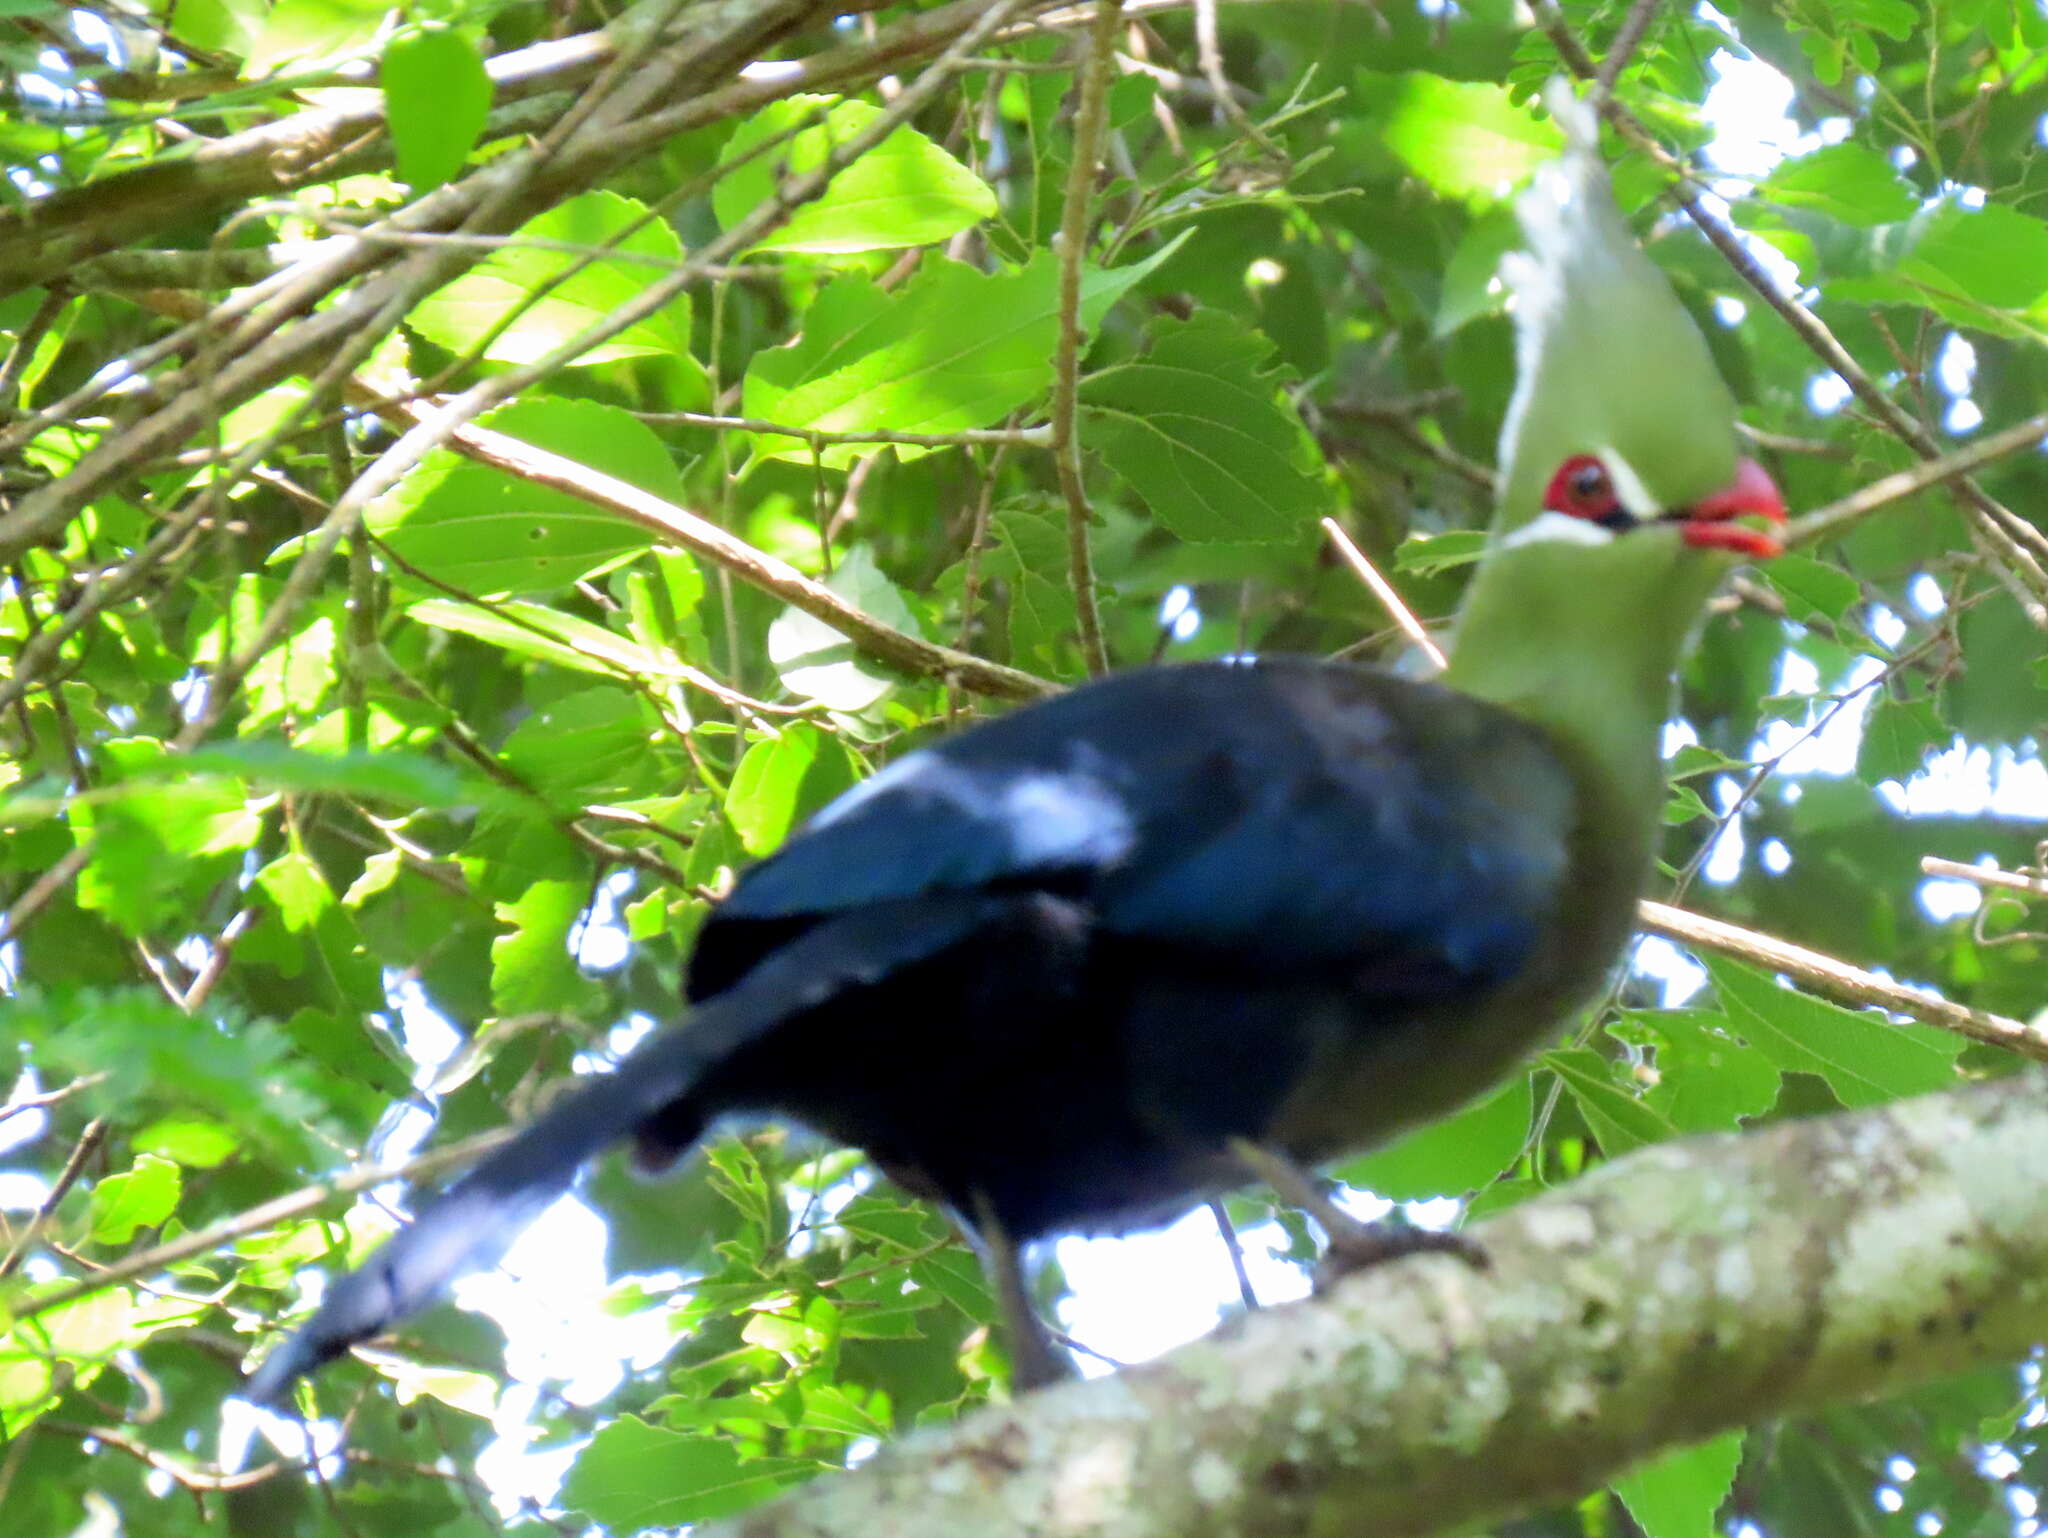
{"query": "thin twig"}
pixel 700 536
pixel 88 1142
pixel 42 889
pixel 50 1097
pixel 1209 51
pixel 185 1475
pixel 1023 437
pixel 1825 522
pixel 267 1215
pixel 1786 443
pixel 29 338
pixel 1981 875
pixel 1400 421
pixel 1390 600
pixel 218 954
pixel 1091 124
pixel 1851 983
pixel 1624 46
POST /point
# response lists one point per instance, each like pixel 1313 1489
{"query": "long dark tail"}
pixel 470 1225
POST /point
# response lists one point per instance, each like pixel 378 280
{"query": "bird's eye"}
pixel 1582 488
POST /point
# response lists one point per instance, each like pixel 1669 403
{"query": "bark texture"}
pixel 1686 1289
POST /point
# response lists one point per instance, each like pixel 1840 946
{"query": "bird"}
pixel 1082 966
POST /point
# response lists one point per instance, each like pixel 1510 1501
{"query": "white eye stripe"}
pixel 1628 486
pixel 1558 528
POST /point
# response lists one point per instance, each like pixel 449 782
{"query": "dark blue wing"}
pixel 1290 813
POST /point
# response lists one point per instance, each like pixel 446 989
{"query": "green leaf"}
pixel 1897 738
pixel 635 1476
pixel 1204 437
pixel 762 799
pixel 534 630
pixel 195 1142
pixel 1472 286
pixel 1467 139
pixel 156 1057
pixel 147 844
pixel 142 1198
pixel 616 249
pixel 1812 588
pixel 956 1276
pixel 1695 759
pixel 388 774
pixel 1620 1121
pixel 592 744
pixel 2000 695
pixel 1967 264
pixel 1708 1079
pixel 473 1393
pixel 488 533
pixel 297 889
pixel 1028 553
pixel 79 1337
pixel 1453 1156
pixel 308 32
pixel 781 777
pixel 831 1407
pixel 1678 1494
pixel 532 967
pixel 1428 554
pixel 1865 1059
pixel 1845 182
pixel 906 191
pixel 821 664
pixel 437 96
pixel 1682 804
pixel 953 349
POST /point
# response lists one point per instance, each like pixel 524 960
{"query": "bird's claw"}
pixel 1363 1246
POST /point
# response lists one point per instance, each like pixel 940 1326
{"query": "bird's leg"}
pixel 1354 1245
pixel 1229 1232
pixel 1035 1362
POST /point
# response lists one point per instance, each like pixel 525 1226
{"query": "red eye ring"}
pixel 1582 488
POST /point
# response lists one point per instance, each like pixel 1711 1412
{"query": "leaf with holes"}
pixel 489 533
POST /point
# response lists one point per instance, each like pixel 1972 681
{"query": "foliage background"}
pixel 305 740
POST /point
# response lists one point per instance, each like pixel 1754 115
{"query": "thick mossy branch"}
pixel 1686 1289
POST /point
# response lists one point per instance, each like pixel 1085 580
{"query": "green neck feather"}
pixel 1584 641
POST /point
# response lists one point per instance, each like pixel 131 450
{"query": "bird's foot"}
pixel 1357 1246
pixel 1353 1245
pixel 1036 1361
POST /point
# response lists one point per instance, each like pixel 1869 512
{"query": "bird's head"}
pixel 1741 518
pixel 1624 496
pixel 1620 424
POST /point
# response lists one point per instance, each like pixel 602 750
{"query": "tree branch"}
pixel 1826 522
pixel 1687 1289
pixel 1091 125
pixel 1838 978
pixel 678 526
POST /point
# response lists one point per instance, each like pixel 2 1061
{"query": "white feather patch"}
pixel 1557 528
pixel 1048 817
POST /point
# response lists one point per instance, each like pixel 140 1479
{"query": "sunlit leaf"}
pixel 904 192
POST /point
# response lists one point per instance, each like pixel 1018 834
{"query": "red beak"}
pixel 1710 524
